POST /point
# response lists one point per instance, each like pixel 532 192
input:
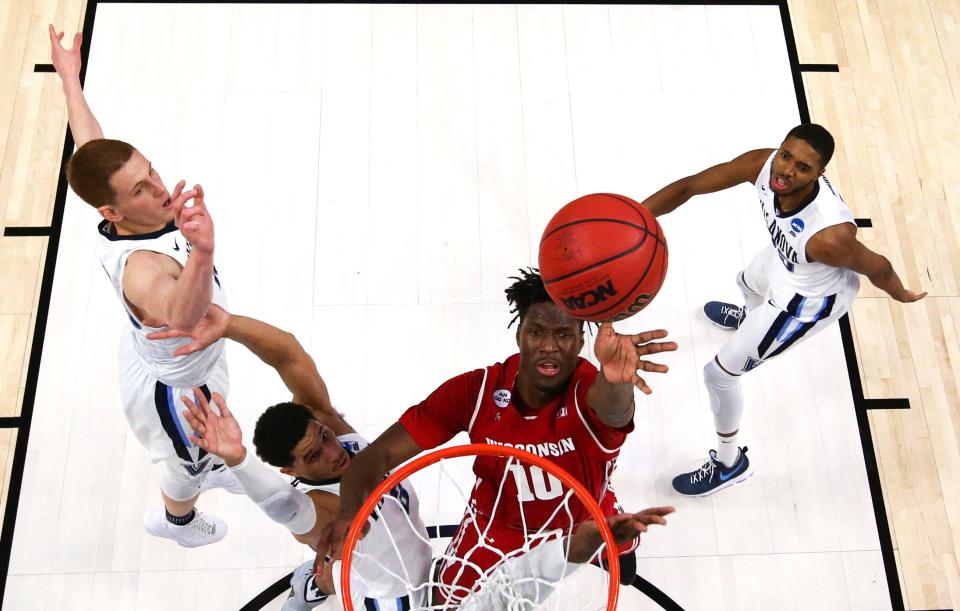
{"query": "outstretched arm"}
pixel 366 471
pixel 83 125
pixel 611 394
pixel 744 168
pixel 838 246
pixel 296 368
pixel 220 434
pixel 533 577
pixel 275 347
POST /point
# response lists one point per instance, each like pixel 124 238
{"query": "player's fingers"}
pixel 648 336
pixel 192 409
pixel 641 384
pixel 177 190
pixel 200 442
pixel 655 347
pixel 187 350
pixel 201 400
pixel 222 404
pixel 653 367
pixel 77 40
pixel 166 334
pixel 661 511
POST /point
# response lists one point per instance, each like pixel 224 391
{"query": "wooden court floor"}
pixel 893 101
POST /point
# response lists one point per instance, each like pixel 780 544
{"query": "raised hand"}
pixel 211 328
pixel 625 527
pixel 217 434
pixel 67 63
pixel 194 222
pixel 333 537
pixel 620 356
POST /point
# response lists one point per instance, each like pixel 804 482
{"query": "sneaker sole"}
pixel 164 535
pixel 736 480
pixel 719 326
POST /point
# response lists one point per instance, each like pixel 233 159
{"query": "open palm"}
pixel 621 356
pixel 218 434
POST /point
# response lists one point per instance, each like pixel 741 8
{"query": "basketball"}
pixel 603 257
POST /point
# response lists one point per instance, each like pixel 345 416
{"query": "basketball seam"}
pixel 593 220
pixel 629 293
pixel 605 261
pixel 658 237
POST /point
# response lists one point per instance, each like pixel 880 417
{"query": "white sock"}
pixel 727 450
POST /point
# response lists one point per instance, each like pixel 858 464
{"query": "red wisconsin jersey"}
pixel 566 432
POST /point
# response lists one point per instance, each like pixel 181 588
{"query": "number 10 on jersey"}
pixel 533 483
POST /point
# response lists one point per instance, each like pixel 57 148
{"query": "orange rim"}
pixel 479 449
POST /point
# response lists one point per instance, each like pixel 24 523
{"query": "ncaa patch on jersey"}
pixel 796 225
pixel 501 397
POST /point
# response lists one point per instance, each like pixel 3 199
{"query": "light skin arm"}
pixel 743 169
pixel 221 435
pixel 83 125
pixel 149 282
pixel 838 246
pixel 611 394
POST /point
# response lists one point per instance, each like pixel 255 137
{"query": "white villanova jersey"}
pixel 395 553
pixel 789 233
pixel 156 356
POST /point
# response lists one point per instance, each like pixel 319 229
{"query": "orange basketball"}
pixel 603 257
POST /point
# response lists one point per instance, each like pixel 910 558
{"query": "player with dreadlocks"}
pixel 546 400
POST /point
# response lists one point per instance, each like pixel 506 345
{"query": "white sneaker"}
pixel 222 478
pixel 204 529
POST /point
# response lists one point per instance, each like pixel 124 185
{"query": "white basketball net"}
pixel 513 582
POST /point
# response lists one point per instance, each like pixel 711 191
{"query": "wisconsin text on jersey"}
pixel 559 448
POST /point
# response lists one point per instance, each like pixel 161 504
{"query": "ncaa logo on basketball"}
pixel 501 398
pixel 796 225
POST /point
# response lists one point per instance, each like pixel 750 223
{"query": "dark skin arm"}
pixel 275 347
pixel 838 246
pixel 364 474
pixel 611 394
pixel 743 169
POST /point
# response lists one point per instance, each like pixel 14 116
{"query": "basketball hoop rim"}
pixel 478 449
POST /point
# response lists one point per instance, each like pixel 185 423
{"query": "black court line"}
pixel 44 68
pixel 9 422
pixel 819 68
pixel 860 403
pixel 274 590
pixel 39 332
pixel 853 370
pixel 886 404
pixel 280 586
pixel 864 222
pixel 18 232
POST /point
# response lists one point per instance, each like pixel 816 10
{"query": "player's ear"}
pixel 519 324
pixel 110 213
pixel 289 471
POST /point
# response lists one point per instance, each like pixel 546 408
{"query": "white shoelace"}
pixel 705 472
pixel 733 312
pixel 203 526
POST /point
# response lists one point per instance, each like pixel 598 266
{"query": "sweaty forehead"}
pixel 548 315
pixel 802 151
